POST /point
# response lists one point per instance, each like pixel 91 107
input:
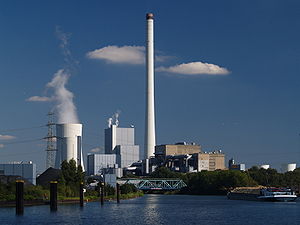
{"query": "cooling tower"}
pixel 69 143
pixel 150 111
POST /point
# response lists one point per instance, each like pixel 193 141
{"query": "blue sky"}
pixel 251 113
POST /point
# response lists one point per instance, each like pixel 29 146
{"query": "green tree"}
pixel 128 188
pixel 71 177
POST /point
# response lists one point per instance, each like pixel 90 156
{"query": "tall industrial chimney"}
pixel 150 117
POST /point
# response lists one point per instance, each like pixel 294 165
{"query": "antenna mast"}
pixel 50 151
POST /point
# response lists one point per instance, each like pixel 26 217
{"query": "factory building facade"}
pixel 97 162
pixel 118 136
pixel 120 141
pixel 177 149
pixel 126 155
pixel 233 166
pixel 183 157
pixel 120 150
pixel 25 170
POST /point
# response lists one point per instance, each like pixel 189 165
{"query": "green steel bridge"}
pixel 154 184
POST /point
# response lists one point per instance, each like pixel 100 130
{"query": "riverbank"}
pixel 73 200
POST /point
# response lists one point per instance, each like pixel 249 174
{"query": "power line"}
pixel 23 141
pixel 23 153
pixel 20 129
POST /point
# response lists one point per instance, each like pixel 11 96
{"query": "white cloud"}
pixel 39 99
pixel 124 54
pixel 6 137
pixel 195 68
pixel 1 145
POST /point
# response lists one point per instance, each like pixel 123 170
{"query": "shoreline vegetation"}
pixel 218 182
pixel 69 181
pixel 72 200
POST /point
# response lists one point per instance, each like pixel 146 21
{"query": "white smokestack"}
pixel 150 115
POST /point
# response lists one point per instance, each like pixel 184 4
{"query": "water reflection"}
pixel 161 209
pixel 151 212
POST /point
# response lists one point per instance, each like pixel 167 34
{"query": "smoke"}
pixel 63 98
pixel 115 117
pixel 114 120
pixel 109 122
pixel 65 106
pixel 70 62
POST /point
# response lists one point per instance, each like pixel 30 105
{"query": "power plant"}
pixel 150 110
pixel 121 155
pixel 69 143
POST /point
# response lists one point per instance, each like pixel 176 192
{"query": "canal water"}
pixel 162 209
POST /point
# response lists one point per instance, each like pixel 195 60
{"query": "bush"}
pixel 128 188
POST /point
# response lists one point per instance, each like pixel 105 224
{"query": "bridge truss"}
pixel 155 184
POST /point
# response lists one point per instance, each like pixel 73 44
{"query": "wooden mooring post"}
pixel 118 193
pixel 102 193
pixel 19 197
pixel 53 195
pixel 81 194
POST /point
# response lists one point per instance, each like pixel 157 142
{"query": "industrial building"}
pixel 120 150
pixel 97 162
pixel 233 166
pixel 185 157
pixel 126 155
pixel 216 160
pixel 180 157
pixel 120 141
pixel 25 170
pixel 181 148
pixel 69 144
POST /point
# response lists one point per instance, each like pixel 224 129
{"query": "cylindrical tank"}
pixel 288 167
pixel 265 166
pixel 68 143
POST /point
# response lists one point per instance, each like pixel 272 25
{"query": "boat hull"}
pixel 255 197
pixel 277 198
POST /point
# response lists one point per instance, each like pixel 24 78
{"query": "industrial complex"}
pixel 122 154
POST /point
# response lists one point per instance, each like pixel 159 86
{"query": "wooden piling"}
pixel 53 195
pixel 19 197
pixel 118 193
pixel 102 193
pixel 81 194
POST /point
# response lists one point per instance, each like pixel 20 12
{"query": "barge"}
pixel 262 194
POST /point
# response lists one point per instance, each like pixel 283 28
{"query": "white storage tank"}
pixel 288 167
pixel 265 166
pixel 68 144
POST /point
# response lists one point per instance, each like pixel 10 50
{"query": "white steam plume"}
pixel 115 117
pixel 109 122
pixel 65 107
pixel 64 46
